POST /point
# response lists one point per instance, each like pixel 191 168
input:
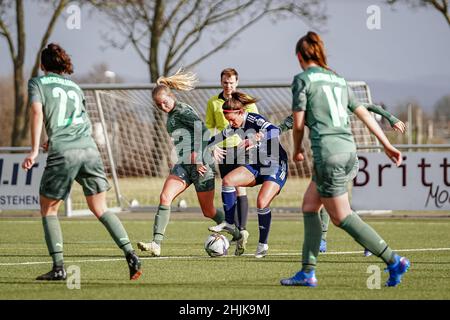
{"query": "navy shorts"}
pixel 276 173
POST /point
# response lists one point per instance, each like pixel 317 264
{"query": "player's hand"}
pixel 219 154
pixel 259 136
pixel 394 154
pixel 201 169
pixel 298 157
pixel 247 144
pixel 29 161
pixel 399 126
pixel 45 146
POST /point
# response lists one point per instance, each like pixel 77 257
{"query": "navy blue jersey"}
pixel 268 151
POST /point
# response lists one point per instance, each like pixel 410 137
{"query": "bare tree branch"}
pixel 174 28
pixel 439 5
pixel 60 7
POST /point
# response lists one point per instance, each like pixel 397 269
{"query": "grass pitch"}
pixel 186 272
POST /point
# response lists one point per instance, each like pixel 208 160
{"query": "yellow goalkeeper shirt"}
pixel 215 120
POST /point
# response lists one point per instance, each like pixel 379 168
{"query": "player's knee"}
pixel 165 199
pixel 337 221
pixel 241 191
pixel 262 202
pixel 227 182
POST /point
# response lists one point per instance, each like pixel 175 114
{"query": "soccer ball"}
pixel 182 204
pixel 216 245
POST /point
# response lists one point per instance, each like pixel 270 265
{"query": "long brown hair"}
pixel 311 48
pixel 238 101
pixel 55 59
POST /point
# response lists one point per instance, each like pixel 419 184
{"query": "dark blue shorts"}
pixel 276 173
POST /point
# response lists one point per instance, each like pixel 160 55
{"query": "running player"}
pixel 216 122
pixel 188 133
pixel 268 169
pixel 395 123
pixel 320 99
pixel 72 155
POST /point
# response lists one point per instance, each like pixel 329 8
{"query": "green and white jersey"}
pixel 325 97
pixel 65 117
pixel 187 131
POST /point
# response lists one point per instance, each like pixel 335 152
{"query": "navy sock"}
pixel 264 220
pixel 229 203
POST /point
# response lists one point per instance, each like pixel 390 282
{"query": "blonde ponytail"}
pixel 181 80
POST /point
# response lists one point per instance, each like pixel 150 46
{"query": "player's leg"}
pixel 53 238
pixel 337 171
pixel 56 182
pixel 240 176
pixel 91 176
pixel 173 186
pixel 312 237
pixel 325 220
pixel 97 204
pixel 205 187
pixel 242 208
pixel 268 191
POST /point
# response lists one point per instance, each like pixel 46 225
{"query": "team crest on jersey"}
pixel 260 122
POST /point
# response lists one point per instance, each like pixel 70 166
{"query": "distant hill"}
pixel 425 91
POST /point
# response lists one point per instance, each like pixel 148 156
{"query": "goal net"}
pixel 136 149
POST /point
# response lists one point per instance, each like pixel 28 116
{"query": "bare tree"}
pixel 13 10
pixel 439 5
pixel 163 33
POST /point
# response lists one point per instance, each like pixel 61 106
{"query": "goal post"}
pixel 136 148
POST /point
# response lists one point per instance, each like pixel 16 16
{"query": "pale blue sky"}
pixel 407 59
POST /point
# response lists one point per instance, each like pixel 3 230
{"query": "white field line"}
pixel 68 262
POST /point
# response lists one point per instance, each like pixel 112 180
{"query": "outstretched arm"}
pixel 395 123
pixel 392 153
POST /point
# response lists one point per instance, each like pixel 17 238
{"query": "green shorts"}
pixel 332 174
pixel 82 165
pixel 188 172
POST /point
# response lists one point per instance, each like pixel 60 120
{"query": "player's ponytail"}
pixel 238 101
pixel 55 59
pixel 181 80
pixel 311 48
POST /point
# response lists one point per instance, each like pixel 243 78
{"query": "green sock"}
pixel 366 236
pixel 117 231
pixel 219 217
pixel 325 219
pixel 54 239
pixel 161 221
pixel 311 244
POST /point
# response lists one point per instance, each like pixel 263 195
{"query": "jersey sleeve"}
pixel 270 130
pixel 353 102
pixel 382 112
pixel 287 124
pixel 223 135
pixel 299 99
pixel 34 92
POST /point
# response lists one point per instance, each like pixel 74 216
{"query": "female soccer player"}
pixel 269 169
pixel 215 120
pixel 395 123
pixel 320 99
pixel 188 132
pixel 72 155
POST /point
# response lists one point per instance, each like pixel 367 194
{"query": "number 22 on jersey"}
pixel 76 116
